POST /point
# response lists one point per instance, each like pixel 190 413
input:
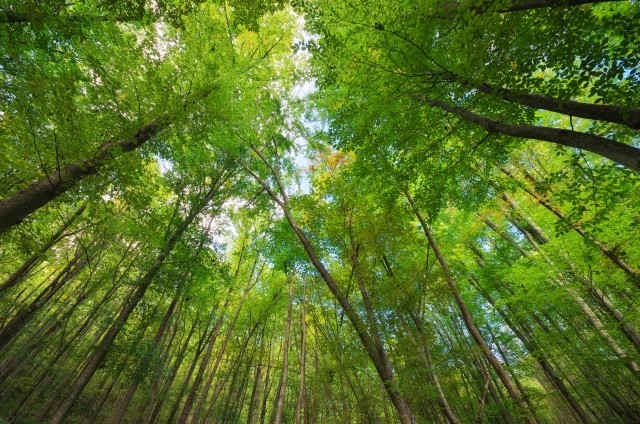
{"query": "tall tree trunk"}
pixel 267 386
pixel 186 409
pixel 525 335
pixel 15 208
pixel 223 347
pixel 625 116
pixel 425 355
pixel 301 403
pixel 101 350
pixel 623 154
pixel 508 384
pixel 282 388
pixel 222 382
pixel 591 317
pixel 24 316
pixel 598 295
pixel 124 403
pixel 28 265
pixel 448 9
pixel 531 226
pixel 254 410
pixel 609 253
pixel 183 388
pixel 386 374
pixel 161 392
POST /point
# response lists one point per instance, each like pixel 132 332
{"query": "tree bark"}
pixel 301 402
pixel 202 342
pixel 124 403
pixel 225 341
pixel 629 117
pixel 24 316
pixel 449 9
pixel 17 207
pixel 525 334
pixel 598 295
pixel 615 259
pixel 186 409
pixel 623 154
pixel 386 375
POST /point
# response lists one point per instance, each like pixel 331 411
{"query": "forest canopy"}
pixel 320 211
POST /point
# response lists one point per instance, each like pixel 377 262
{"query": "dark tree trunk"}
pixel 448 9
pixel 623 154
pixel 625 116
pixel 17 207
pixel 24 316
pixel 133 387
pixel 609 253
pixel 282 388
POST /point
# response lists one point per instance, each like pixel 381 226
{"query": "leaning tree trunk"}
pixel 378 357
pixel 101 350
pixel 17 207
pixel 25 315
pixel 623 154
pixel 133 387
pixel 618 261
pixel 28 265
pixel 619 115
pixel 450 9
pixel 513 391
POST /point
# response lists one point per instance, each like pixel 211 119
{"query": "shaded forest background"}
pixel 320 211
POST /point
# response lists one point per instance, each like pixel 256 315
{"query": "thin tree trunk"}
pixel 526 337
pixel 183 388
pixel 101 351
pixel 615 259
pixel 178 359
pixel 513 391
pixel 254 410
pixel 267 386
pixel 18 275
pixel 301 402
pixel 386 375
pixel 282 388
pixel 184 415
pixel 186 409
pixel 601 299
pixel 124 403
pixel 532 227
pixel 593 320
pixel 24 316
pixel 236 363
pixel 425 355
pixel 223 347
